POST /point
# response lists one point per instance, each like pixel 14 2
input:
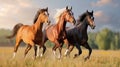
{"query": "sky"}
pixel 106 12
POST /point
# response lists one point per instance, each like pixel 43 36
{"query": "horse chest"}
pixel 61 35
pixel 80 37
pixel 38 37
pixel 84 39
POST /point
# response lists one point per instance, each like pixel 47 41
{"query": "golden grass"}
pixel 99 58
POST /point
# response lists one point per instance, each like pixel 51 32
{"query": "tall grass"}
pixel 99 58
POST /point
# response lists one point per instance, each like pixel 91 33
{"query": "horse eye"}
pixel 72 13
pixel 48 14
pixel 69 13
pixel 92 18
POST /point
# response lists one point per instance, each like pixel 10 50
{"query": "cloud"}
pixel 24 3
pixel 101 17
pixel 98 14
pixel 101 2
pixel 13 12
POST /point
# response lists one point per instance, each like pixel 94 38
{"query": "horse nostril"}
pixel 49 22
pixel 94 27
pixel 74 22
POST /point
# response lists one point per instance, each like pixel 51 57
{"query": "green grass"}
pixel 99 58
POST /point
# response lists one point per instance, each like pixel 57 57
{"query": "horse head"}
pixel 42 16
pixel 87 17
pixel 68 15
pixel 90 19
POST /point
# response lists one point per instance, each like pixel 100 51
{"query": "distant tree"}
pixel 116 41
pixel 3 34
pixel 104 38
pixel 91 40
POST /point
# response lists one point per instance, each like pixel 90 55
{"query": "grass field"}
pixel 99 58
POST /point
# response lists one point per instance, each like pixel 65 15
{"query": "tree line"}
pixel 104 39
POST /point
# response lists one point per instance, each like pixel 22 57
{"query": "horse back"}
pixel 26 33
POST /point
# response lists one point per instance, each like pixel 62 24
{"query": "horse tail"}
pixel 15 30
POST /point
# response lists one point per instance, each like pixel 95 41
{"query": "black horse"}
pixel 78 36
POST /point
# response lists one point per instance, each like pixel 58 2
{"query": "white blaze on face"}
pixel 46 13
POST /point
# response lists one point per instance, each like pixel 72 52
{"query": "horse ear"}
pixel 87 11
pixel 71 8
pixel 47 9
pixel 66 7
pixel 92 12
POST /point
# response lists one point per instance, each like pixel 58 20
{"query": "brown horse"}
pixel 31 35
pixel 56 33
pixel 77 36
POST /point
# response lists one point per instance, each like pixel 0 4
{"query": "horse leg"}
pixel 35 50
pixel 44 49
pixel 54 50
pixel 68 45
pixel 60 49
pixel 79 50
pixel 18 41
pixel 31 43
pixel 44 39
pixel 38 50
pixel 55 47
pixel 27 49
pixel 43 42
pixel 70 49
pixel 89 48
pixel 67 50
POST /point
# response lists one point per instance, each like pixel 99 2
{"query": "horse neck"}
pixel 83 27
pixel 38 26
pixel 61 24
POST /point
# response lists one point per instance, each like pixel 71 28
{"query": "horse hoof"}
pixel 75 55
pixel 86 58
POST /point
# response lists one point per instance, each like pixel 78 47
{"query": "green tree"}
pixel 91 40
pixel 115 43
pixel 104 38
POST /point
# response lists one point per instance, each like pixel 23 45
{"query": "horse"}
pixel 31 35
pixel 56 32
pixel 78 36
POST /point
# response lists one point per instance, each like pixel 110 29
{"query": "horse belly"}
pixel 27 36
pixel 50 37
pixel 50 33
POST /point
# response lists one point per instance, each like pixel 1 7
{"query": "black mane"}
pixel 83 16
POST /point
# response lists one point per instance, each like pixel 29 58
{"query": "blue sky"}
pixel 106 12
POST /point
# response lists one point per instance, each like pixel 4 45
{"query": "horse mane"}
pixel 82 17
pixel 58 14
pixel 37 14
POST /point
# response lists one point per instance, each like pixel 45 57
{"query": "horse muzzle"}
pixel 93 27
pixel 48 23
pixel 74 22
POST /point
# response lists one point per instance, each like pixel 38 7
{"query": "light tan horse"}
pixel 31 35
pixel 56 33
